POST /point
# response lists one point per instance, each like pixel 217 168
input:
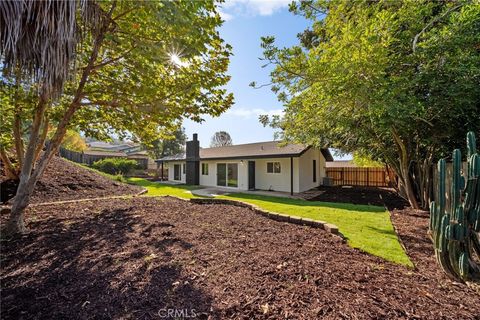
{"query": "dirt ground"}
pixel 64 180
pixel 362 195
pixel 144 257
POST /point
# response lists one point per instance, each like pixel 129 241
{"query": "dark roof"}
pixel 269 149
pixel 104 153
pixel 180 156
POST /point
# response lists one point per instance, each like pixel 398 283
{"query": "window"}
pixel 176 172
pixel 205 169
pixel 273 167
pixel 184 168
pixel 314 170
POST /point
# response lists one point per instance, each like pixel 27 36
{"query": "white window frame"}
pixel 204 166
pixel 274 163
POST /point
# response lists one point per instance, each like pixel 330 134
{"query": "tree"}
pixel 170 145
pixel 395 81
pixel 221 139
pixel 139 68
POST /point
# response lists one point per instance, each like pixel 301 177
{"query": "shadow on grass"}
pixel 98 266
pixel 305 203
pixel 383 231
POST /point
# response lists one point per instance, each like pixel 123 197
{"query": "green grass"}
pixel 366 227
pixel 160 189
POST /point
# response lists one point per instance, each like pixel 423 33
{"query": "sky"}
pixel 245 22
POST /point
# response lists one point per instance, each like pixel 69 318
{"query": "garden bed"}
pixel 361 195
pixel 135 258
pixel 64 180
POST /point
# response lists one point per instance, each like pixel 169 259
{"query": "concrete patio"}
pixel 218 191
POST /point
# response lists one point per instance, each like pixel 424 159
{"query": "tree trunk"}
pixel 404 171
pixel 28 180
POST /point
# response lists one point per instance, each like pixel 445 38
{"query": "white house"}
pixel 253 166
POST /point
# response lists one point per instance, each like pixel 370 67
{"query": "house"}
pixel 98 150
pixel 341 164
pixel 254 166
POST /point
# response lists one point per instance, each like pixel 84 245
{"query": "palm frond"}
pixel 38 39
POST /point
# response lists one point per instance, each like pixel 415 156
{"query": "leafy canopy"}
pixel 395 81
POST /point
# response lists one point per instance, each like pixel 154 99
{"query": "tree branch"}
pixel 9 167
pixel 417 36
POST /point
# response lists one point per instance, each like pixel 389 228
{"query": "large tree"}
pixel 169 144
pixel 221 139
pixel 126 67
pixel 396 81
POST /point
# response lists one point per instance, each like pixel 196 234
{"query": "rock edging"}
pixel 333 229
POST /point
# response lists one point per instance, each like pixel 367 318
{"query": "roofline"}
pixel 263 156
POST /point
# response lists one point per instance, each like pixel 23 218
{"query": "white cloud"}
pixel 252 7
pixel 225 16
pixel 252 113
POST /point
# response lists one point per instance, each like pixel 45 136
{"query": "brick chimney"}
pixel 193 161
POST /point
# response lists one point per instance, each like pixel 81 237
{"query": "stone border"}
pixel 333 229
pixel 8 206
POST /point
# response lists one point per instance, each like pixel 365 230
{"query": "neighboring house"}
pixel 341 164
pixel 98 150
pixel 263 166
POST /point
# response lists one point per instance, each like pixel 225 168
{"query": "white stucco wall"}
pixel 302 172
pixel 170 171
pixel 211 178
pixel 276 181
pixel 306 169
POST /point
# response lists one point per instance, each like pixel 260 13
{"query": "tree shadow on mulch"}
pixel 104 266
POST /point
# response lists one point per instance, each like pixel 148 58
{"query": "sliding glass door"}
pixel 227 174
pixel 221 174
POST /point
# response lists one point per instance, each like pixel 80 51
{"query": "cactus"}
pixel 455 229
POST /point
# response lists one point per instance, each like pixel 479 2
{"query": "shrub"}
pixel 115 165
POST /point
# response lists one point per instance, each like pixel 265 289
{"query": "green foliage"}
pixel 161 62
pixel 394 80
pixel 168 145
pixel 115 165
pixel 364 161
pixel 455 228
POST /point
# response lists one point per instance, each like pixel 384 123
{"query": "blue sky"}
pixel 246 21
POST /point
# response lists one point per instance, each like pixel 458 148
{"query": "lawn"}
pixel 365 227
pixel 160 189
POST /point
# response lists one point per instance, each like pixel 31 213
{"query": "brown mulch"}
pixel 361 195
pixel 64 180
pixel 412 227
pixel 136 258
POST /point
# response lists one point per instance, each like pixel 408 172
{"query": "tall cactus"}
pixel 455 229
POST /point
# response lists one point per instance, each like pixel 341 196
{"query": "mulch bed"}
pixel 136 258
pixel 361 195
pixel 63 180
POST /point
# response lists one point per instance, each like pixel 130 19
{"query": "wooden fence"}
pixel 359 176
pixel 89 159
